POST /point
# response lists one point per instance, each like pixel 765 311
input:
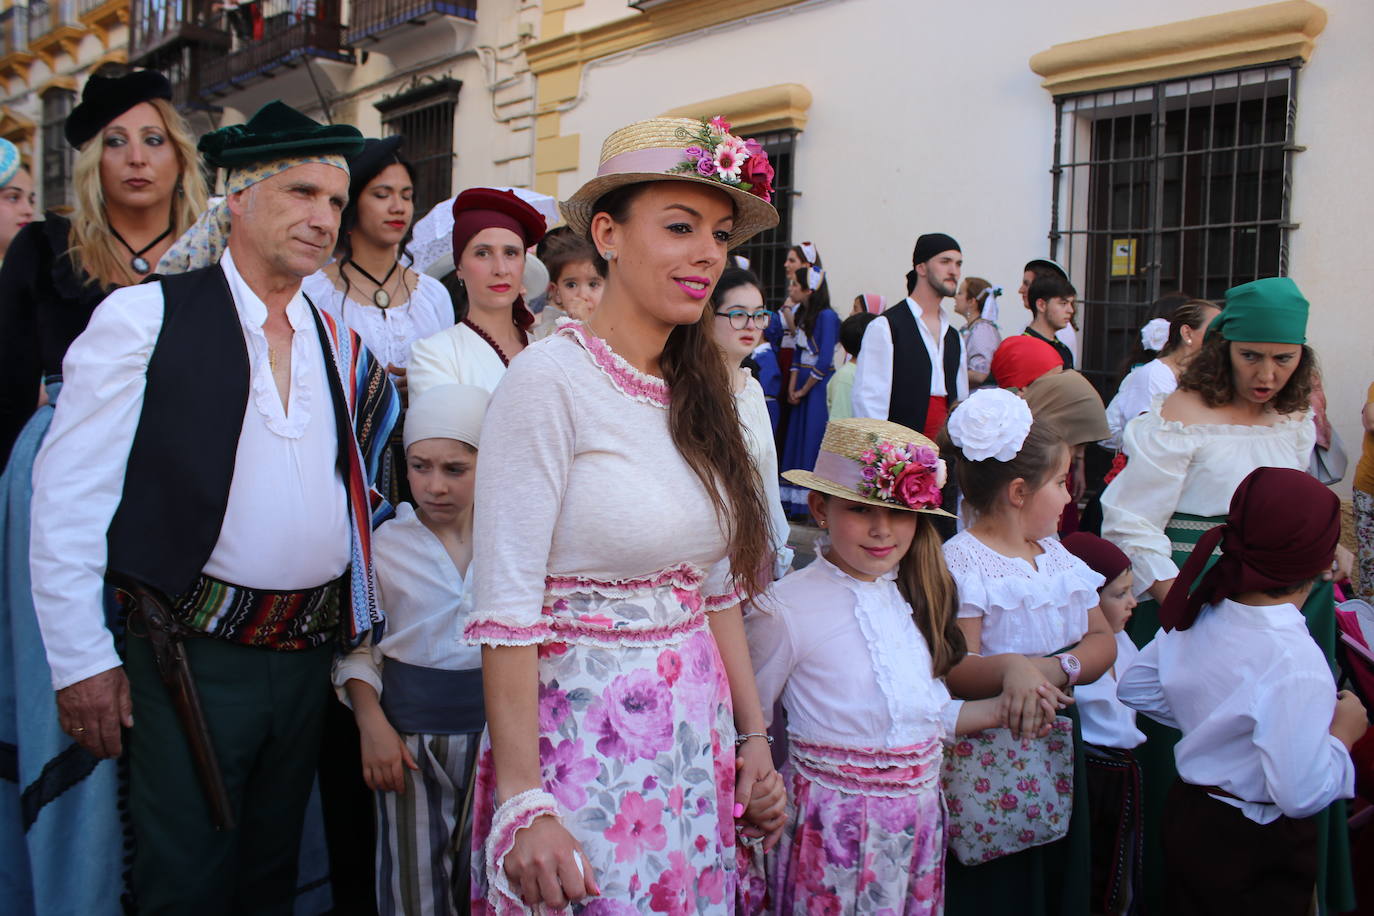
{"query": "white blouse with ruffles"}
pixel 1028 610
pixel 1137 392
pixel 847 660
pixel 388 333
pixel 1193 469
pixel 758 435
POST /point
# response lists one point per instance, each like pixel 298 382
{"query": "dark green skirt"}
pixel 1335 892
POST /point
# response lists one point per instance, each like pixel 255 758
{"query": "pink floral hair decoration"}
pixel 720 155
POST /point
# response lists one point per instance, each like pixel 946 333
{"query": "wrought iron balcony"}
pixel 279 34
pixel 159 29
pixel 375 19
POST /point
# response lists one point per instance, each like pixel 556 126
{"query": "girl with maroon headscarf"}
pixel 491 231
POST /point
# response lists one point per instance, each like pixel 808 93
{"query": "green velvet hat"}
pixel 1271 310
pixel 277 131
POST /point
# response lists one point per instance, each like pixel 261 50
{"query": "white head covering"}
pixel 446 412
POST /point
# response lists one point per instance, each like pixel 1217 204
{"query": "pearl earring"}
pixel 609 256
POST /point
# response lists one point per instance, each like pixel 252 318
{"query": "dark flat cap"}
pixel 276 132
pixel 105 98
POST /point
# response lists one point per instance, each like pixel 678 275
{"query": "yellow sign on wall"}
pixel 1123 257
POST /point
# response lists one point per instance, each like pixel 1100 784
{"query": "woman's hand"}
pixel 546 865
pixel 398 378
pixel 1341 568
pixel 385 755
pixel 754 765
pixel 766 813
pixel 1024 709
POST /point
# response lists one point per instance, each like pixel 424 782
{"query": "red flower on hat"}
pixel 757 171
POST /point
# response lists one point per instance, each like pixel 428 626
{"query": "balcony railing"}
pixel 280 33
pixel 373 18
pixel 157 28
pixel 14 30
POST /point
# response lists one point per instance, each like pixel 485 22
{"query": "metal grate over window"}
pixel 424 116
pixel 767 250
pixel 58 157
pixel 1180 185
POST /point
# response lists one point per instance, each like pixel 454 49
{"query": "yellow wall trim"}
pixel 57 82
pixel 755 111
pixel 1242 38
pixel 657 24
pixel 16 128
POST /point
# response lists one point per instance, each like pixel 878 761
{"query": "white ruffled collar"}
pixel 628 380
pixel 822 542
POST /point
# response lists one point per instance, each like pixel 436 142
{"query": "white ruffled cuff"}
pixel 517 813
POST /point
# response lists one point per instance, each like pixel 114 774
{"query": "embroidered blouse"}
pixel 388 334
pixel 848 661
pixel 1029 610
pixel 1193 469
pixel 605 502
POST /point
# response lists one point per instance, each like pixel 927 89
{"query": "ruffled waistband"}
pixel 887 772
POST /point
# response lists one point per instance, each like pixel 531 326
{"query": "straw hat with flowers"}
pixel 878 463
pixel 684 150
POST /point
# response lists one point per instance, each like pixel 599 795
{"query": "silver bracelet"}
pixel 743 738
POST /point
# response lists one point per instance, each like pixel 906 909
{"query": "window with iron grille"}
pixel 1181 185
pixel 767 250
pixel 423 114
pixel 58 157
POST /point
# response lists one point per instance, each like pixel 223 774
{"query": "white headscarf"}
pixel 446 412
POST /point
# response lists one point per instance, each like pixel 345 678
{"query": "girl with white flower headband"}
pixel 1029 614
pixel 875 611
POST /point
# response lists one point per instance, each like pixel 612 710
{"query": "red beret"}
pixel 1102 556
pixel 1021 360
pixel 482 208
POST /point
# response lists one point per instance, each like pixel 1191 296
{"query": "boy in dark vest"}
pixel 215 446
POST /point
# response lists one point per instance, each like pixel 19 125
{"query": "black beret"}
pixel 376 155
pixel 931 244
pixel 276 132
pixel 105 98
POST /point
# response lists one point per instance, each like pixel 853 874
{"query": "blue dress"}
pixel 806 426
pixel 770 380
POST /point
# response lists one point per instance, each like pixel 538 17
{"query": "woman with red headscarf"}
pixel 491 232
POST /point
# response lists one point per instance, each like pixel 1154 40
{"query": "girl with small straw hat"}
pixel 627 743
pixel 875 611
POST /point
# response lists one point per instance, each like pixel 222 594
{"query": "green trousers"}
pixel 265 711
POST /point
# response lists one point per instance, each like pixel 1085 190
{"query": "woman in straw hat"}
pixel 628 740
pixel 877 612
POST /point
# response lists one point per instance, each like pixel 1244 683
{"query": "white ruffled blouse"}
pixel 1029 610
pixel 848 661
pixel 1193 469
pixel 1137 392
pixel 391 333
pixel 758 435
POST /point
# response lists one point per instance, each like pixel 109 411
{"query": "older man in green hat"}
pixel 212 457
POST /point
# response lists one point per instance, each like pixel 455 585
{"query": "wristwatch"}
pixel 1072 667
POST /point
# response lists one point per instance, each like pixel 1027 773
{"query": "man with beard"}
pixel 912 368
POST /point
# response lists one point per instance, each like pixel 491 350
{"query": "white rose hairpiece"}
pixel 992 423
pixel 1155 334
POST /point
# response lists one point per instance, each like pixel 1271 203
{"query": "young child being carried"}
pixel 1266 737
pixel 417 693
pixel 576 279
pixel 1029 613
pixel 857 644
pixel 1109 737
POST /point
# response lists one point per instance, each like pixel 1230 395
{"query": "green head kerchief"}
pixel 277 131
pixel 1271 310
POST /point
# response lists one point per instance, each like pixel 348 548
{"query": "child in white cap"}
pixel 417 691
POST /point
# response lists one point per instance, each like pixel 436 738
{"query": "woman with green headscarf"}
pixel 1242 403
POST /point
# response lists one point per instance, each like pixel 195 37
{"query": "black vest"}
pixel 181 464
pixel 911 369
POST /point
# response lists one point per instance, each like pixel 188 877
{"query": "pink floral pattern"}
pixel 849 850
pixel 1006 795
pixel 637 746
pixel 632 383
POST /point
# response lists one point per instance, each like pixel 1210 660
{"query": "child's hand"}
pixel 766 814
pixel 1022 707
pixel 1350 721
pixel 385 755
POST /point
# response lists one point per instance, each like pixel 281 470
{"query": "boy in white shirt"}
pixel 417 693
pixel 1266 737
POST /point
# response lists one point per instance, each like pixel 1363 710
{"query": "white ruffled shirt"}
pixel 847 660
pixel 1138 391
pixel 1254 697
pixel 456 355
pixel 425 598
pixel 758 435
pixel 389 334
pixel 1107 722
pixel 1193 469
pixel 1027 610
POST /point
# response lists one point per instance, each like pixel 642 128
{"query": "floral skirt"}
pixel 636 740
pixel 865 833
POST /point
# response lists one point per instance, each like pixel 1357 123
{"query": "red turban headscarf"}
pixel 1021 360
pixel 482 208
pixel 1283 528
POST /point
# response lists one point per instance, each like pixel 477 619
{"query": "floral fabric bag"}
pixel 1005 795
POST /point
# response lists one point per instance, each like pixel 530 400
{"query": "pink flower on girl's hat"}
pixel 720 124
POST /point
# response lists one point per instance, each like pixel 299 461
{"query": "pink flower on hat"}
pixel 730 156
pixel 720 124
pixel 706 167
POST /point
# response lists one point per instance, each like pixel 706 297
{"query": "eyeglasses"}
pixel 740 319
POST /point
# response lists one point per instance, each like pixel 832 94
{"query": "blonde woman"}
pixel 138 187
